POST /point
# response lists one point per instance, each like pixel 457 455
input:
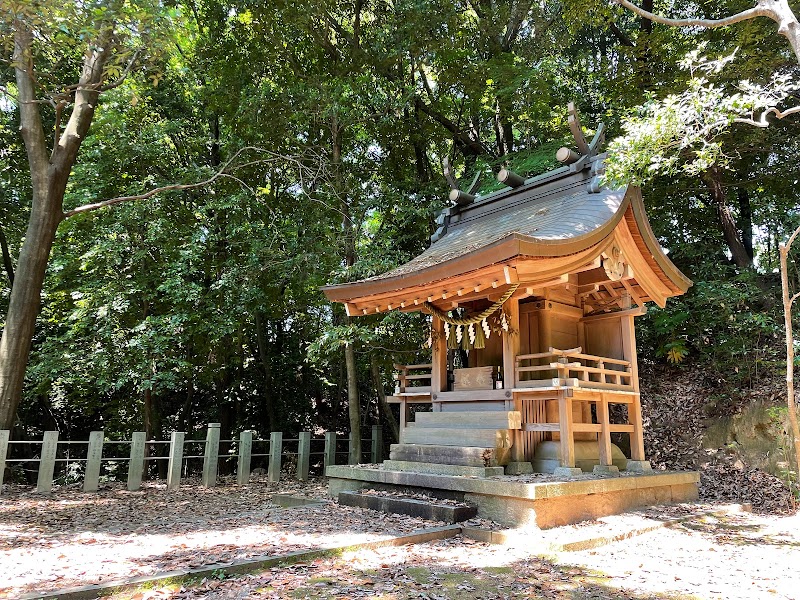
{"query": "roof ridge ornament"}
pixel 457 195
pixel 568 156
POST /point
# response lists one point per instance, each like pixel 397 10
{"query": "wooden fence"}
pixel 177 456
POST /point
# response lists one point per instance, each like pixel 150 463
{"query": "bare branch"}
pixel 762 120
pixel 793 298
pixel 752 13
pixel 177 186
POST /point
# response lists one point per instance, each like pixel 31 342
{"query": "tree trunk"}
pixel 353 402
pixel 49 176
pixel 269 400
pixel 383 406
pixel 8 263
pixel 25 301
pixel 745 220
pixel 713 180
pixel 787 316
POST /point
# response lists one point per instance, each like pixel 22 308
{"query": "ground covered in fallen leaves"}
pixel 72 538
pixel 739 556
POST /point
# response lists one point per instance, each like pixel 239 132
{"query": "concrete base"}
pixel 440 469
pixel 519 468
pixel 639 466
pixel 606 471
pixel 587 454
pixel 538 504
pixel 567 472
pixel 409 506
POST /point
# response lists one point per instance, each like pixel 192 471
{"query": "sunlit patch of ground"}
pixel 73 538
pixel 738 556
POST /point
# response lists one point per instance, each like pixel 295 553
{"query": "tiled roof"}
pixel 549 209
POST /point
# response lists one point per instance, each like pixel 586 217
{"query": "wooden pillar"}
pixel 635 408
pixel 136 463
pixel 245 456
pixel 275 451
pixel 604 440
pixel 5 435
pixel 438 357
pixel 330 448
pixel 211 455
pixel 175 460
pixel 377 444
pixel 47 462
pixel 303 455
pixel 94 459
pixel 511 344
pixel 565 430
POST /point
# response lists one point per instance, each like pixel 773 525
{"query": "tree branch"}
pixel 758 11
pixel 622 38
pixel 762 120
pixel 95 58
pixel 181 186
pixel 30 120
pixel 124 75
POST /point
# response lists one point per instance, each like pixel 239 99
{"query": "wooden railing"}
pixel 55 459
pixel 411 378
pixel 573 368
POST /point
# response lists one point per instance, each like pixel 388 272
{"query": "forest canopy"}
pixel 318 131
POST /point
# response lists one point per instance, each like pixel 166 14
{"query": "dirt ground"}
pixel 72 538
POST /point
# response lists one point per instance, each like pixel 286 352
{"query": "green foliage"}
pixel 681 133
pixel 730 324
pixel 207 302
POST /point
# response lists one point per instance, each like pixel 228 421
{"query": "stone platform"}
pixel 541 501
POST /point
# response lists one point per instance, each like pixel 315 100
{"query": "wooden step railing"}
pixel 411 378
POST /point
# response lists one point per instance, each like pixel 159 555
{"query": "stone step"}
pixel 421 509
pixel 451 455
pixel 442 469
pixel 481 438
pixel 495 419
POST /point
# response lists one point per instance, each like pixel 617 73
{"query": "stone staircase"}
pixel 468 443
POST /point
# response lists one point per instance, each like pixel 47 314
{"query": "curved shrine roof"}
pixel 557 214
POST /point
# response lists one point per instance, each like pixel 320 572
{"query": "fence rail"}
pixel 276 450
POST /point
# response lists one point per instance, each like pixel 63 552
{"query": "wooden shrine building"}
pixel 533 292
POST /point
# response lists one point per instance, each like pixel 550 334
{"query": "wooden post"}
pixel 94 459
pixel 47 462
pixel 350 443
pixel 635 407
pixel 5 435
pixel 211 455
pixel 175 464
pixel 245 454
pixel 511 343
pixel 565 430
pixel 136 463
pixel 604 440
pixel 275 450
pixel 438 361
pixel 377 444
pixel 330 448
pixel 303 455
